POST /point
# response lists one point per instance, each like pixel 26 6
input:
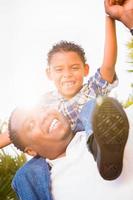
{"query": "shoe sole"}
pixel 110 125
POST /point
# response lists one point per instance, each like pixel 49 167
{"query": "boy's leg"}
pixel 84 121
pixel 32 181
pixel 110 132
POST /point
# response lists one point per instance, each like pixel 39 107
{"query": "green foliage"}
pixel 9 164
pixel 128 102
pixel 8 167
pixel 130 54
pixel 130 99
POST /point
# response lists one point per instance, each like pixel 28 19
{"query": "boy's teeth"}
pixel 69 84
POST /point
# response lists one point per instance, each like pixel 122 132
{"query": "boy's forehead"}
pixel 69 56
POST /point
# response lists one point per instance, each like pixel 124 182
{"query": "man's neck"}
pixel 64 153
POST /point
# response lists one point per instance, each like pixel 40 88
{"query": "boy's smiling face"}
pixel 67 71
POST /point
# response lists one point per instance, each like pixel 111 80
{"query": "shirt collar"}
pixel 83 91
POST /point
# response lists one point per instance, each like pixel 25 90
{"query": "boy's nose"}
pixel 67 73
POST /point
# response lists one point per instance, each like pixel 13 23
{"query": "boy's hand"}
pixel 123 12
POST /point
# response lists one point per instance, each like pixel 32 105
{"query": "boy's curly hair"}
pixel 64 46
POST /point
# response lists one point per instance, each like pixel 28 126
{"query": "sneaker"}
pixel 110 126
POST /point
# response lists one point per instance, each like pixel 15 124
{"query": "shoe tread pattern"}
pixel 110 126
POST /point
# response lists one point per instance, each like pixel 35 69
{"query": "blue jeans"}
pixel 84 121
pixel 32 181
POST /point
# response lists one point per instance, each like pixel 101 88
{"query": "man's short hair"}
pixel 14 133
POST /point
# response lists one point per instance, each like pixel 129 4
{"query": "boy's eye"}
pixel 75 67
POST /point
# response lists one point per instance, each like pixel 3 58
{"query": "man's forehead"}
pixel 20 115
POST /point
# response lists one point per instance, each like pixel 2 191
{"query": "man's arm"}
pixel 123 13
pixel 107 69
pixel 4 139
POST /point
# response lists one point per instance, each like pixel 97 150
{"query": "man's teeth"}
pixel 53 125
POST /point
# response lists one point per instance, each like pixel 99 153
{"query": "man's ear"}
pixel 48 73
pixel 86 70
pixel 30 151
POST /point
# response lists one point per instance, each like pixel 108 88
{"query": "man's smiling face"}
pixel 33 127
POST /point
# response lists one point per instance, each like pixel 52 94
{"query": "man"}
pixel 73 173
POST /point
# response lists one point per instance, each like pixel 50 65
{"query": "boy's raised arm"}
pixel 107 69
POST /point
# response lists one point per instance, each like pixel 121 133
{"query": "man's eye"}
pixel 58 69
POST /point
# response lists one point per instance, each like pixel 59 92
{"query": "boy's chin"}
pixel 69 95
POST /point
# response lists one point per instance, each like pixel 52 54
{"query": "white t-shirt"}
pixel 76 177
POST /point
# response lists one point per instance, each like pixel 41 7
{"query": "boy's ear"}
pixel 47 71
pixel 30 151
pixel 86 70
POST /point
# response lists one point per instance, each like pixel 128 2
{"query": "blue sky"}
pixel 28 30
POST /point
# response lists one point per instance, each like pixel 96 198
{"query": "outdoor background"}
pixel 28 29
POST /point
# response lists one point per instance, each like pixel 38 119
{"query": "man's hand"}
pixel 123 13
